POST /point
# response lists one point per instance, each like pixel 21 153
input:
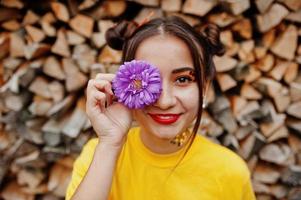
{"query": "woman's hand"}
pixel 110 120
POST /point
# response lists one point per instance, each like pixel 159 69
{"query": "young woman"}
pixel 162 158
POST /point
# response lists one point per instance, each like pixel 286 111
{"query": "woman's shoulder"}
pixel 224 160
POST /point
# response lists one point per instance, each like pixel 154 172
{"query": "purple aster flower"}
pixel 137 84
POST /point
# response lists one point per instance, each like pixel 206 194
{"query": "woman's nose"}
pixel 167 98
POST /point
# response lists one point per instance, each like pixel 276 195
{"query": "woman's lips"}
pixel 165 118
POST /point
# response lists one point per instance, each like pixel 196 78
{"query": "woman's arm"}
pixel 96 184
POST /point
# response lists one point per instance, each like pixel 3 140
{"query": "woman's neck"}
pixel 159 145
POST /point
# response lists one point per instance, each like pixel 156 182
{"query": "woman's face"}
pixel 178 104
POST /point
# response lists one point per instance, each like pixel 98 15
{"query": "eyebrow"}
pixel 183 69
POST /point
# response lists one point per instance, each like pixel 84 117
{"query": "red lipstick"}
pixel 165 118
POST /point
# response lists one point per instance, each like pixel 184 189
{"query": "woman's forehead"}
pixel 165 51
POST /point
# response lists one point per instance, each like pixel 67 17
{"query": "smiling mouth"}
pixel 165 118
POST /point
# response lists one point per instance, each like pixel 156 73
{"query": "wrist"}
pixel 108 148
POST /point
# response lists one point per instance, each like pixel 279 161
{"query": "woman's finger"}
pixel 103 76
pixel 103 85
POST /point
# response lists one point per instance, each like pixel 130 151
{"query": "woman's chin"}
pixel 165 132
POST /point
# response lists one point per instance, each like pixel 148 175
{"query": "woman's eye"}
pixel 183 80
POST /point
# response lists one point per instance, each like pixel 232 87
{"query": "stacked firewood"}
pixel 50 49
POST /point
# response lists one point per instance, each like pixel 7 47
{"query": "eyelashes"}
pixel 184 80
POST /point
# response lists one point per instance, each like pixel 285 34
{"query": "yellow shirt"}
pixel 208 171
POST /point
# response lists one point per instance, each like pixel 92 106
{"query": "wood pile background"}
pixel 50 49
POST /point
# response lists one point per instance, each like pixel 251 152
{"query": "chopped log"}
pixel 294 109
pixel 4 45
pixel 148 2
pixel 82 24
pixel 109 55
pixel 295 91
pixel 36 34
pixel 292 4
pixel 253 74
pixel 32 177
pixel 75 80
pixel 86 4
pixel 291 72
pixel 40 87
pixel 60 11
pixel 191 20
pixel 245 52
pixel 59 179
pixel 271 18
pixel 62 105
pixel 12 4
pixel 74 38
pixel 248 112
pixel 171 5
pixel 268 128
pixel 260 51
pixel 15 102
pixel 280 133
pixel 30 18
pixel 53 68
pixel 250 92
pixel 148 13
pixel 98 39
pixel 282 101
pixel 17 45
pixel 270 87
pixel 57 91
pixel 244 28
pixel 13 191
pixel 292 176
pixel 279 69
pixel 108 9
pixel 247 145
pixel 238 7
pixel 223 19
pixel 273 153
pixel 76 121
pixel 262 190
pixel 237 104
pixel 224 63
pixel 294 142
pixel 48 29
pixel 60 46
pixel 294 16
pixel 210 126
pixel 269 38
pixel 40 106
pixel 226 38
pixel 11 25
pixel 263 5
pixel 286 45
pixel 104 25
pixel 84 56
pixel 265 64
pixel 49 18
pixel 226 118
pixel 35 50
pixel 225 81
pixel 198 7
pixel 266 174
pixel 278 191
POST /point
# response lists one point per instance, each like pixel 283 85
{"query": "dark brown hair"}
pixel 203 43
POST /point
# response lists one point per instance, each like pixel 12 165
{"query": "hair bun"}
pixel 116 35
pixel 211 33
